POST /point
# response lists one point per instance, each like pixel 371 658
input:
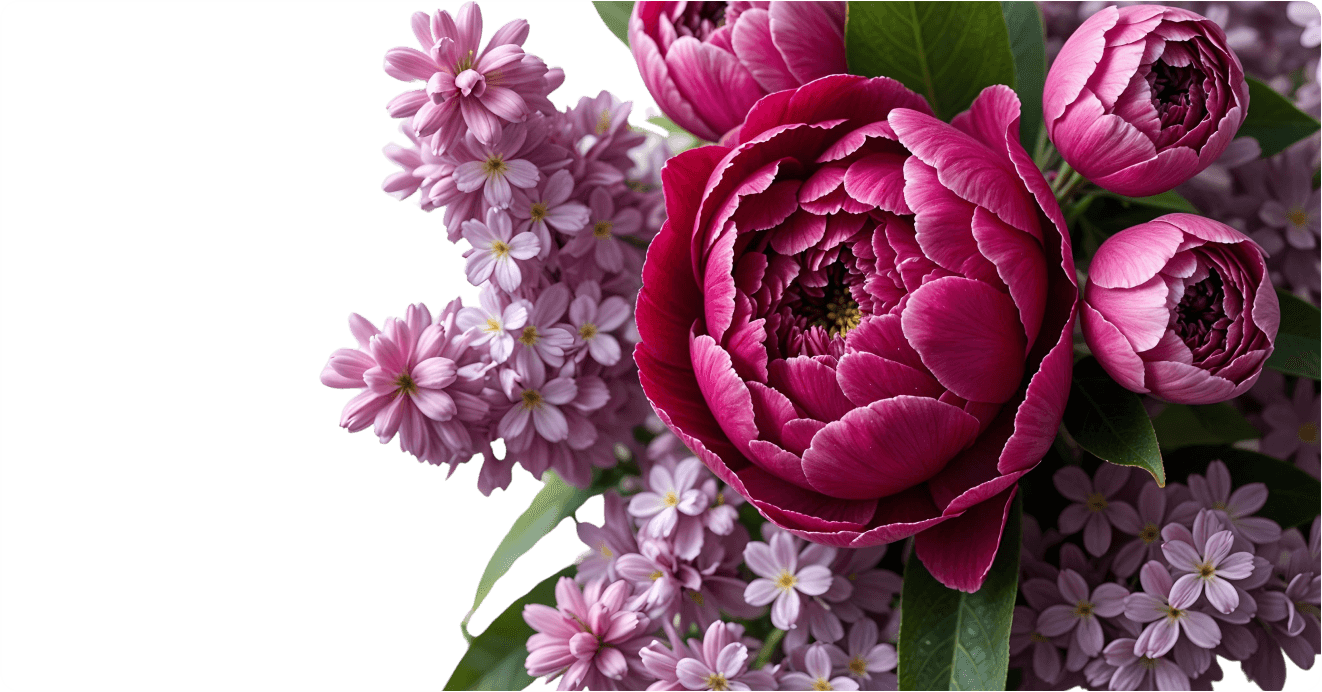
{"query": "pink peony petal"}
pixel 959 552
pixel 865 378
pixel 968 335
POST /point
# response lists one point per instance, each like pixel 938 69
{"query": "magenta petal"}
pixel 1020 264
pixel 723 391
pixel 968 335
pixel 866 377
pixel 751 40
pixel 959 552
pixel 1112 350
pixel 811 37
pixel 878 180
pixel 811 385
pixel 887 447
pixel 1135 255
pixel 1140 313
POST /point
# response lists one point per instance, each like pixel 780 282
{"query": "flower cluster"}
pixel 676 558
pixel 555 212
pixel 1166 580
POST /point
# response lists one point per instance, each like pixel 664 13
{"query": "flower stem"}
pixel 768 647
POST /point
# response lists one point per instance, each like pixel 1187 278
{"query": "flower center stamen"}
pixel 1206 570
pixel 822 684
pixel 786 581
pixel 604 122
pixel 1038 637
pixel 858 666
pixel 538 211
pixel 602 229
pixel 1308 433
pixel 1297 217
pixel 655 575
pixel 532 399
pixel 495 165
pixel 670 499
pixel 1150 533
pixel 529 337
pixel 404 384
pixel 1083 610
pixel 500 249
pixel 493 325
pixel 587 331
pixel 1096 502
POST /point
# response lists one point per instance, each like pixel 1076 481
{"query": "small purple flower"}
pixel 657 576
pixel 1147 544
pixel 817 673
pixel 720 662
pixel 1234 509
pixel 542 342
pixel 548 206
pixel 865 658
pixel 1205 562
pixel 1094 510
pixel 591 637
pixel 1293 428
pixel 494 168
pixel 785 573
pixel 496 251
pixel 669 493
pixel 608 542
pixel 1079 615
pixel 1135 671
pixel 1168 614
pixel 602 236
pixel 537 400
pixel 1025 632
pixel 594 319
pixel 494 322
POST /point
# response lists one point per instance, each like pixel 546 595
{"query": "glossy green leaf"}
pixel 1110 422
pixel 951 640
pixel 1023 24
pixel 946 51
pixel 556 500
pixel 494 660
pixel 616 17
pixel 1273 120
pixel 1297 348
pixel 1179 425
pixel 1293 496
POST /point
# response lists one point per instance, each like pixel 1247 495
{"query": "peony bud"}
pixel 1181 307
pixel 1142 98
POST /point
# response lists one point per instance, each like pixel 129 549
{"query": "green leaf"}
pixel 1273 120
pixel 1297 348
pixel 494 660
pixel 556 500
pixel 616 17
pixel 1293 496
pixel 1107 213
pixel 1168 201
pixel 946 51
pixel 1110 422
pixel 1181 426
pixel 1023 24
pixel 951 640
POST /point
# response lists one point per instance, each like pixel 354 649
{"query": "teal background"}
pixel 191 209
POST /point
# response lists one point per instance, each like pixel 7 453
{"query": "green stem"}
pixel 768 648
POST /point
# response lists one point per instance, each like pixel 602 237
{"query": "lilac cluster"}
pixel 1167 579
pixel 556 214
pixel 676 557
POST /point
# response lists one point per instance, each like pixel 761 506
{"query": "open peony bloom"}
pixel 1142 98
pixel 859 317
pixel 1181 308
pixel 707 63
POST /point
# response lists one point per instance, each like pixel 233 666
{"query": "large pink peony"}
pixel 860 317
pixel 707 63
pixel 1142 98
pixel 1181 307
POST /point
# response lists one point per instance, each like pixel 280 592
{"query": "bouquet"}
pixel 900 359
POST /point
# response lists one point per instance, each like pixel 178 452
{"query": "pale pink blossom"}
pixel 493 168
pixel 865 658
pixel 1205 563
pixel 591 638
pixel 1169 613
pixel 1136 671
pixel 593 319
pixel 602 236
pixel 547 206
pixel 669 493
pixel 614 538
pixel 719 661
pixel 497 251
pixel 1095 509
pixel 1235 509
pixel 543 341
pixel 1079 615
pixel 537 401
pixel 784 573
pixel 494 321
pixel 817 673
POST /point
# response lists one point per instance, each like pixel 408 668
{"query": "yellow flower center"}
pixel 495 165
pixel 1172 614
pixel 538 211
pixel 493 325
pixel 1206 570
pixel 500 249
pixel 655 575
pixel 1219 505
pixel 1150 533
pixel 1083 610
pixel 602 229
pixel 603 124
pixel 1096 502
pixel 404 384
pixel 1308 433
pixel 606 551
pixel 1297 217
pixel 822 684
pixel 532 399
pixel 696 597
pixel 1038 637
pixel 716 681
pixel 529 336
pixel 587 331
pixel 858 666
pixel 1147 663
pixel 720 499
pixel 670 499
pixel 786 581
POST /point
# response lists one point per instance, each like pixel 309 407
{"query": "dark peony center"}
pixel 1200 314
pixel 1176 92
pixel 700 19
pixel 833 308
